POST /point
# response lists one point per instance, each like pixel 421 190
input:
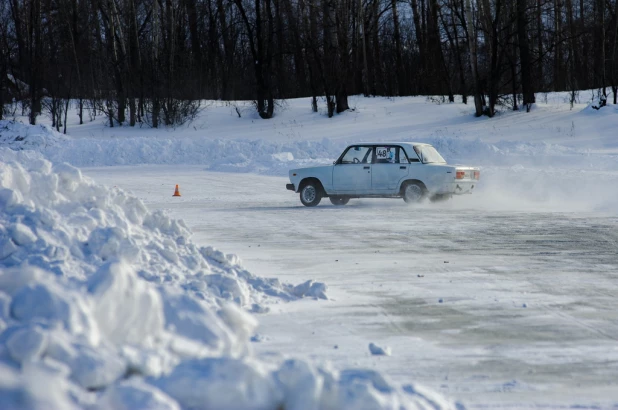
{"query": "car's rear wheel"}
pixel 413 192
pixel 339 200
pixel 310 193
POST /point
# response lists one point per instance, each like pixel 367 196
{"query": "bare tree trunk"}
pixel 539 27
pixel 228 50
pixel 135 62
pixel 377 84
pixel 513 27
pixel 420 40
pixel 330 54
pixel 156 105
pixel 313 26
pixel 573 53
pixel 601 24
pixel 614 62
pixel 341 90
pixel 435 56
pixel 282 81
pixel 270 108
pixel 492 31
pixel 3 74
pixel 402 86
pixel 4 63
pixel 585 71
pixel 524 55
pixel 363 36
pixel 454 43
pixel 118 54
pixel 478 104
pixel 261 57
pixel 299 61
pixel 196 49
pixel 558 71
pixel 66 112
pixel 311 50
pixel 73 34
pixel 35 53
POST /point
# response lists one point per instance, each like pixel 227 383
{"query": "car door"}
pixel 390 166
pixel 352 173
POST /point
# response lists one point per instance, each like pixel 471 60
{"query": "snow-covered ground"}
pixel 504 298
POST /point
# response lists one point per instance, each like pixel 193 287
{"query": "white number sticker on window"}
pixel 382 152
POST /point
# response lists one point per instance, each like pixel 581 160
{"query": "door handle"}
pixel 402 167
pixel 365 167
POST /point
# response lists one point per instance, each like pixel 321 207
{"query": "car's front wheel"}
pixel 413 192
pixel 339 200
pixel 310 194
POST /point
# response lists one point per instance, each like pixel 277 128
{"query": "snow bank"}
pixel 227 155
pixel 104 304
pixel 271 157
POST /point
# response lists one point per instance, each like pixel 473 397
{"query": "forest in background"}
pixel 152 61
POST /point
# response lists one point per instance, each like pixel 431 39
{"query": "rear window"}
pixel 429 155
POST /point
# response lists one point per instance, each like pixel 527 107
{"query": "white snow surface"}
pixel 106 304
pixel 549 136
pixel 502 298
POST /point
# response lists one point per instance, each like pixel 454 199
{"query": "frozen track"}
pixel 496 308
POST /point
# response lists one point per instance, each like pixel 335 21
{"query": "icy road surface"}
pixel 495 300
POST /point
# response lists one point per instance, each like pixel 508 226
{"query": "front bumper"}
pixel 290 187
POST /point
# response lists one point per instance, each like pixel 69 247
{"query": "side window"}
pixel 386 155
pixel 357 155
pixel 414 156
pixel 403 158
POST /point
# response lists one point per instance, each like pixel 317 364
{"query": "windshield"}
pixel 429 155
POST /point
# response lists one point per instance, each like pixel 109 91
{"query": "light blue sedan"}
pixel 409 170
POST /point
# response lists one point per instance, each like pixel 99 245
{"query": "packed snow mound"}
pixel 262 156
pixel 104 305
pixel 55 218
pixel 20 136
pixel 226 155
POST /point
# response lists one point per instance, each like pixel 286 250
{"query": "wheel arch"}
pixel 410 181
pixel 320 186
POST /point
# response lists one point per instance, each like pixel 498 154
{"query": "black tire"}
pixel 413 192
pixel 339 200
pixel 310 193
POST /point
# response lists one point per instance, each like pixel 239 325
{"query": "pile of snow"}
pixel 270 157
pixel 227 155
pixel 104 304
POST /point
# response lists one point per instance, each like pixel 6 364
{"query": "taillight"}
pixel 477 174
pixel 460 174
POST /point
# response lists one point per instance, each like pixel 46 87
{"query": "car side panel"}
pixel 386 178
pixel 353 179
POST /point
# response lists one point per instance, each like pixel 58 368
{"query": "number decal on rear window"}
pixel 382 152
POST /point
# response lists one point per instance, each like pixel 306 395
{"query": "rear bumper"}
pixel 460 188
pixel 290 187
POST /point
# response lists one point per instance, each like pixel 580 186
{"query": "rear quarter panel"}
pixel 436 177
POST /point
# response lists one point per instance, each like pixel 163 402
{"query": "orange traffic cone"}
pixel 177 191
